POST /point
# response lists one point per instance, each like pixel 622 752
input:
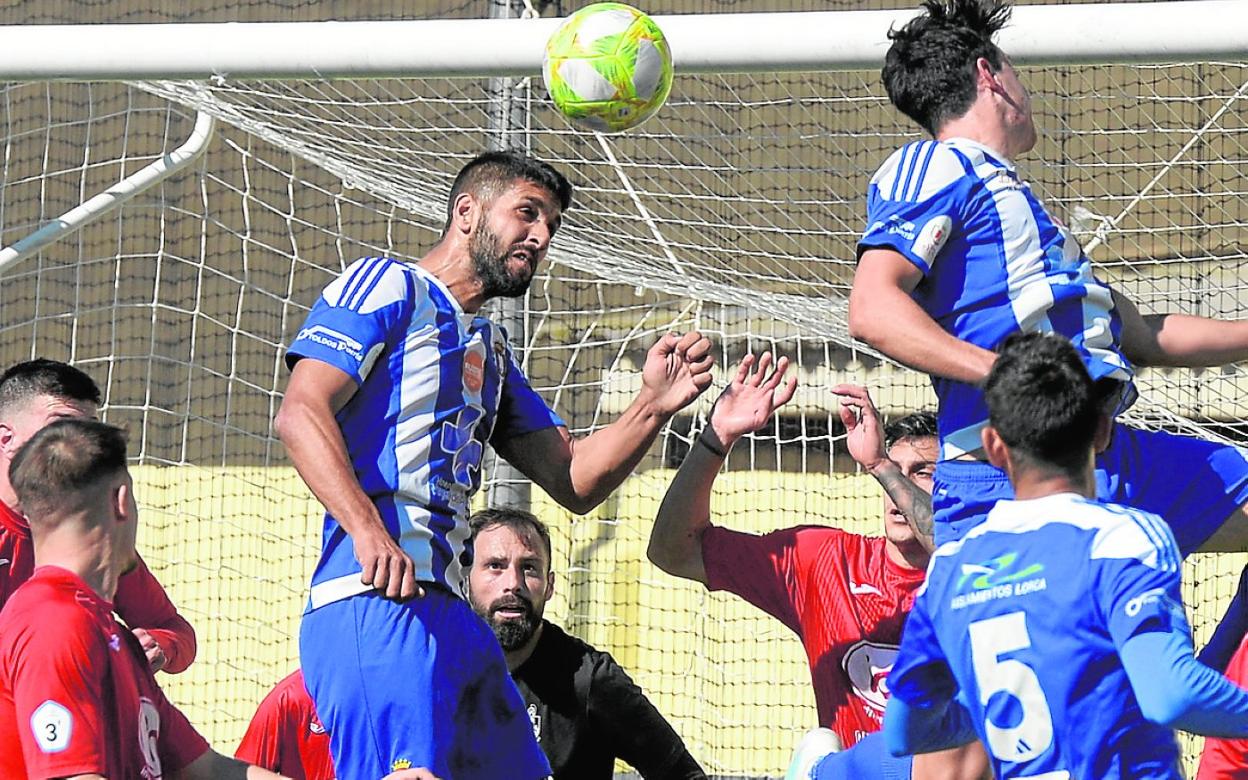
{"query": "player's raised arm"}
pixel 882 313
pixel 745 406
pixel 1179 339
pixel 865 440
pixel 581 473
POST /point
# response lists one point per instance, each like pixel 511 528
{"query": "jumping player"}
pixel 33 394
pixel 397 385
pixel 1054 630
pixel 77 697
pixel 959 253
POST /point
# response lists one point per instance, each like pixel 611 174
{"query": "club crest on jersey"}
pixel 867 665
pixel 474 368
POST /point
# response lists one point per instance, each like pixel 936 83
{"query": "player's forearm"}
pixel 1185 340
pixel 605 458
pixel 914 503
pixel 1175 690
pixel 910 730
pixel 676 539
pixel 888 319
pixel 214 766
pixel 316 448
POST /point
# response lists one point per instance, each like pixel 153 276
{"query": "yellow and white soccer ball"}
pixel 608 67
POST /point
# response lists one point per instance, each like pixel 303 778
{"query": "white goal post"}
pixel 701 43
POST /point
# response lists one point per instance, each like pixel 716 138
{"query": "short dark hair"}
pixel 1042 401
pixel 929 71
pixel 25 381
pixel 488 175
pixel 515 519
pixel 920 425
pixel 62 461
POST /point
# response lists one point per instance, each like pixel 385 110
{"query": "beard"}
pixel 513 633
pixel 489 260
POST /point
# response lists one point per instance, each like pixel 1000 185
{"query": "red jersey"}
pixel 843 597
pixel 286 736
pixel 140 600
pixel 1227 759
pixel 76 693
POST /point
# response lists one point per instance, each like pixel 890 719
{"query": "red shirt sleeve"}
pixel 142 603
pixel 1227 759
pixel 763 570
pixel 260 745
pixel 59 704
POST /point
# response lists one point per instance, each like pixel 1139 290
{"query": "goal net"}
pixel 735 210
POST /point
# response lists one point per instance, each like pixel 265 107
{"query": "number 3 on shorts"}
pixel 990 639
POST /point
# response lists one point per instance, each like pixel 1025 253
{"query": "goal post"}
pixel 734 210
pixel 701 43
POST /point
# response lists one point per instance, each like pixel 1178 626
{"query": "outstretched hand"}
pixel 751 398
pixel 677 370
pixel 864 434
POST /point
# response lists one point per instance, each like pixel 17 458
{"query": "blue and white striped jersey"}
pixel 435 384
pixel 1025 614
pixel 994 262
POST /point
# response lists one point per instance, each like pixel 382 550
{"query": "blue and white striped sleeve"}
pixel 357 315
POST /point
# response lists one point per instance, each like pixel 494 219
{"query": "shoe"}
pixel 815 745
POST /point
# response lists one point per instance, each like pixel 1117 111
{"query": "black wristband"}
pixel 717 450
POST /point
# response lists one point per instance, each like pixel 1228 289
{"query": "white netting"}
pixel 735 209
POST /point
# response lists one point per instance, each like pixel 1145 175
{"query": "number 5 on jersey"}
pixel 991 639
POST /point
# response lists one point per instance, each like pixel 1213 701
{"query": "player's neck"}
pixel 516 658
pixel 1034 483
pixel 973 126
pixel 453 267
pixel 907 555
pixel 89 555
pixel 7 495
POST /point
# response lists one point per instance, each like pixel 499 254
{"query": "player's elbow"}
pixel 1165 707
pixel 863 318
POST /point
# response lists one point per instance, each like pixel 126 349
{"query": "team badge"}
pixel 474 369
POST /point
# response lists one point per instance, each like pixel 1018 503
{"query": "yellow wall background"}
pixel 234 547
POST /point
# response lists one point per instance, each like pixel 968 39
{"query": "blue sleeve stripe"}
pixel 1153 528
pixel 372 285
pixel 358 280
pixel 360 266
pixel 927 161
pixel 901 167
pixel 910 168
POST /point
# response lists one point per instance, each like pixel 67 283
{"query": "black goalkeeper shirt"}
pixel 586 712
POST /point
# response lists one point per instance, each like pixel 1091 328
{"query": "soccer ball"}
pixel 608 67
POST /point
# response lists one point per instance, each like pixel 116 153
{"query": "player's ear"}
pixel 6 441
pixel 550 584
pixel 985 75
pixel 464 212
pixel 1104 432
pixel 119 502
pixel 994 447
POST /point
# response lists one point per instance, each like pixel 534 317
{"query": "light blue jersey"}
pixel 435 385
pixel 994 262
pixel 1025 615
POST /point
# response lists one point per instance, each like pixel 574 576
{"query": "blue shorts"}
pixel 417 684
pixel 1193 484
